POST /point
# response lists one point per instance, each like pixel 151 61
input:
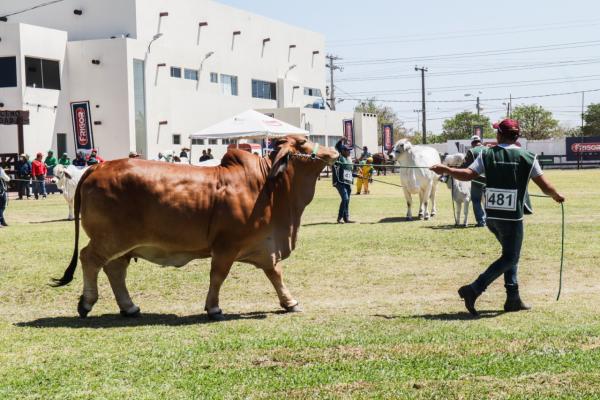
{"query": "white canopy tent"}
pixel 249 125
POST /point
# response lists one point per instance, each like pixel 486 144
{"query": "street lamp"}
pixel 289 69
pixel 154 38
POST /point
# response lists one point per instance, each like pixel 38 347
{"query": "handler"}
pixel 508 169
pixel 342 180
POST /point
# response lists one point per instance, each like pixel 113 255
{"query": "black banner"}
pixel 82 125
pixel 349 131
pixel 387 140
pixel 583 148
pixel 14 117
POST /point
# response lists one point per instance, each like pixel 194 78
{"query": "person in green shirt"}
pixel 508 169
pixel 64 160
pixel 342 180
pixel 50 160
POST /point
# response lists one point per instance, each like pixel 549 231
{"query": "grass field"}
pixel 382 318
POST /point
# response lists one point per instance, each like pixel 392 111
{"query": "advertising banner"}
pixel 583 148
pixel 82 126
pixel 388 137
pixel 349 131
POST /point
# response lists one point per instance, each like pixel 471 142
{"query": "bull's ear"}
pixel 281 161
pixel 68 175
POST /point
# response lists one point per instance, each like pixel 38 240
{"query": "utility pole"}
pixel 478 107
pixel 423 70
pixel 510 106
pixel 332 68
pixel 582 112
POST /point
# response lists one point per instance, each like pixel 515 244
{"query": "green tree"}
pixel 385 115
pixel 461 126
pixel 592 120
pixel 536 122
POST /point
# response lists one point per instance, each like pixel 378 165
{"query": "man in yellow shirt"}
pixel 365 173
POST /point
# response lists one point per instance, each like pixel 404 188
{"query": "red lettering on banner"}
pixel 82 127
pixel 585 147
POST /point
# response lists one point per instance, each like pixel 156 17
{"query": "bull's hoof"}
pixel 409 218
pixel 292 309
pixel 83 312
pixel 133 312
pixel 217 317
pixel 426 218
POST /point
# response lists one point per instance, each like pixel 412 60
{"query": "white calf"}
pixel 417 180
pixel 461 191
pixel 66 179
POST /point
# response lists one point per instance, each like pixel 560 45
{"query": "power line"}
pixel 32 8
pixel 517 50
pixel 469 101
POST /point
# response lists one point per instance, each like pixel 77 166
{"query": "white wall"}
pixel 366 131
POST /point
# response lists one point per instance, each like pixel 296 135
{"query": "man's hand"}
pixel 557 197
pixel 440 169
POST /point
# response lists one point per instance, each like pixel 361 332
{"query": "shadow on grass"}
pixel 321 224
pixel 117 321
pixel 450 227
pixel 393 220
pixel 458 316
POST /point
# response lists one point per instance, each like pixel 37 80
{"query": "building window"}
pixel 264 90
pixel 229 85
pixel 42 74
pixel 312 92
pixel 8 71
pixel 177 139
pixel 199 142
pixel 191 74
pixel 332 140
pixel 61 143
pixel 213 141
pixel 229 141
pixel 214 77
pixel 175 72
pixel 320 139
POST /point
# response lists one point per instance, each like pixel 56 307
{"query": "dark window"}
pixel 214 77
pixel 198 141
pixel 175 72
pixel 191 74
pixel 213 141
pixel 61 144
pixel 264 90
pixel 43 74
pixel 8 71
pixel 229 141
pixel 177 139
pixel 312 92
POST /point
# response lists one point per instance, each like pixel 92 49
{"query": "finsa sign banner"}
pixel 82 125
pixel 583 148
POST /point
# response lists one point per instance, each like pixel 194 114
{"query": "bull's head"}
pixel 60 176
pixel 400 147
pixel 301 148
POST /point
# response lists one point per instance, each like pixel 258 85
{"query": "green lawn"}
pixel 382 318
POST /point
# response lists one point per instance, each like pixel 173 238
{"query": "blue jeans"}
pixel 3 202
pixel 476 196
pixel 39 186
pixel 345 191
pixel 510 236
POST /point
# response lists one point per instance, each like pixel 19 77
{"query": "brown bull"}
pixel 247 209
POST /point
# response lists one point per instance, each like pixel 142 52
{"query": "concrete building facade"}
pixel 153 72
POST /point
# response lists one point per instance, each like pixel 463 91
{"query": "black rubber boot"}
pixel 469 295
pixel 513 300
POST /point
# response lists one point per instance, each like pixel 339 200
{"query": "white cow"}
pixel 66 179
pixel 461 191
pixel 420 181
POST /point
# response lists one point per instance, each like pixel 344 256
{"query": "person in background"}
pixel 64 160
pixel 183 154
pixel 94 153
pixel 134 154
pixel 79 160
pixel 38 173
pixel 24 176
pixel 4 179
pixel 204 156
pixel 342 180
pixel 92 160
pixel 365 153
pixel 478 185
pixel 508 169
pixel 209 154
pixel 365 174
pixel 50 161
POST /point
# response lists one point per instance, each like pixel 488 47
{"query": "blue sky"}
pixel 558 46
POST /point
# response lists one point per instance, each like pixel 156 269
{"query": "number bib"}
pixel 501 199
pixel 347 176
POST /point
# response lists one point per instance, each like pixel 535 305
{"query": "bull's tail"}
pixel 70 271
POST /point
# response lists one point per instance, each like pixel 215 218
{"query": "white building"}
pixel 153 72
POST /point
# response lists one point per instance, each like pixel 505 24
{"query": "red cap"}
pixel 508 126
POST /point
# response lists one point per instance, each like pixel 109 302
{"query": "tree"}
pixel 461 126
pixel 592 120
pixel 536 122
pixel 385 115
